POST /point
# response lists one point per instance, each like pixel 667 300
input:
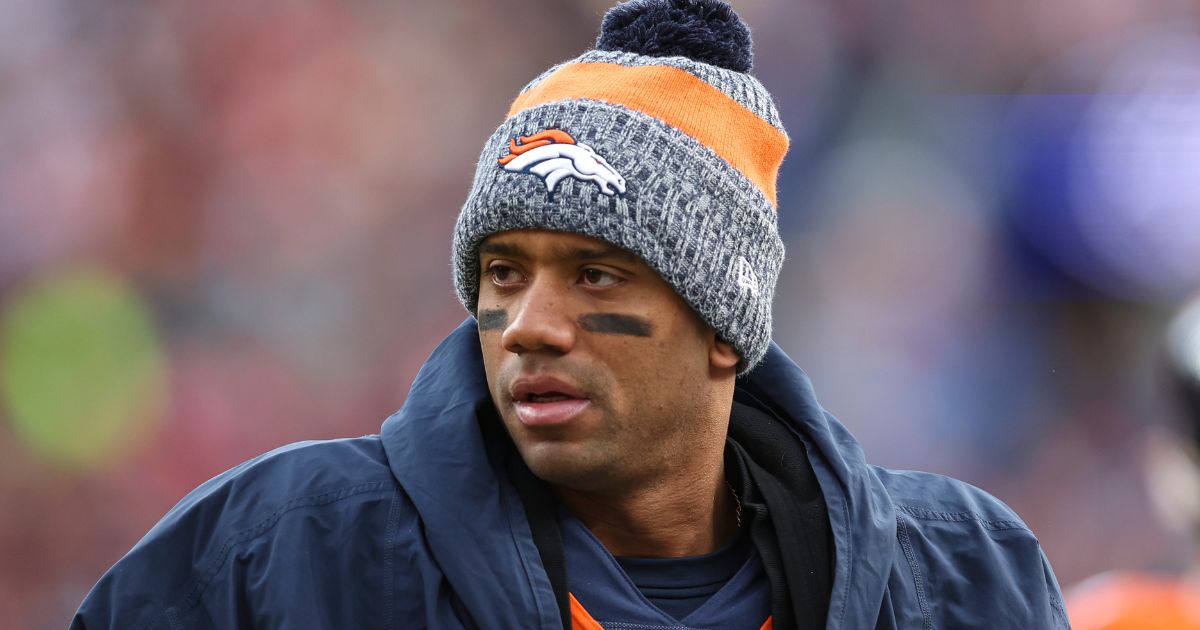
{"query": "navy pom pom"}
pixel 704 30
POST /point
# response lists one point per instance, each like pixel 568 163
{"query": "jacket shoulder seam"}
pixel 192 596
pixel 918 580
pixel 1061 611
pixel 389 577
pixel 960 517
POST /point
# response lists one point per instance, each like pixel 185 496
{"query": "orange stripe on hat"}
pixel 743 139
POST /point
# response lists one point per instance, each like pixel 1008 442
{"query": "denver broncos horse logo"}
pixel 554 155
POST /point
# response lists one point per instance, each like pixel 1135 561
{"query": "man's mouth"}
pixel 548 397
pixel 546 401
pixel 545 413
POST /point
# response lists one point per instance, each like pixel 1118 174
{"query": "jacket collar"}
pixel 861 513
pixel 437 453
pixel 474 523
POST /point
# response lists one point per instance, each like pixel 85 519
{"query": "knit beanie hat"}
pixel 659 142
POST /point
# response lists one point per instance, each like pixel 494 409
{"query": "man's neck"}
pixel 671 518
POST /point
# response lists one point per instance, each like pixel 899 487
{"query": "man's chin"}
pixel 562 464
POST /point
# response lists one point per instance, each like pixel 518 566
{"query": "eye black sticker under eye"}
pixel 616 324
pixel 493 319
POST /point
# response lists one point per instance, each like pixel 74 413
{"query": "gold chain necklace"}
pixel 737 503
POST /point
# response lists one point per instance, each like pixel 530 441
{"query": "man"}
pixel 1133 600
pixel 612 440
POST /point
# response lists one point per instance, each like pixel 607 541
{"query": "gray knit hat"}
pixel 658 142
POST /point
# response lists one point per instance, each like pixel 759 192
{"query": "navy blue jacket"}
pixel 412 527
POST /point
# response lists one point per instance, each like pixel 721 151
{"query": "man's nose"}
pixel 541 320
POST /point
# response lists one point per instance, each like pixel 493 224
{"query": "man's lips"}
pixel 545 414
pixel 546 401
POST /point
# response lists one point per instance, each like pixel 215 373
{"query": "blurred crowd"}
pixel 225 226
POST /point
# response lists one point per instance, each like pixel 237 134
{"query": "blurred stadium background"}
pixel 224 226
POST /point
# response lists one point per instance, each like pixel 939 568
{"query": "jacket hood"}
pixel 475 524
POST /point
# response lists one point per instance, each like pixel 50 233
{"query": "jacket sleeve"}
pixel 967 571
pixel 964 559
pixel 284 540
pixel 146 587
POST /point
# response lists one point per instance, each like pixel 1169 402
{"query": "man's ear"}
pixel 721 355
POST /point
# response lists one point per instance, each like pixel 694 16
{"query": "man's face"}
pixel 602 374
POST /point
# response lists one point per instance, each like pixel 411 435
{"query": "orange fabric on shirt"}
pixel 580 619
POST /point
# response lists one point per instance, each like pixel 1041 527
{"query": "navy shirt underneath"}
pixel 725 589
pixel 678 586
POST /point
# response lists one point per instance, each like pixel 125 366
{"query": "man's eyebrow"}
pixel 502 249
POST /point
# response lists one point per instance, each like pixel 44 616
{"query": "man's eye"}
pixel 503 275
pixel 599 278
